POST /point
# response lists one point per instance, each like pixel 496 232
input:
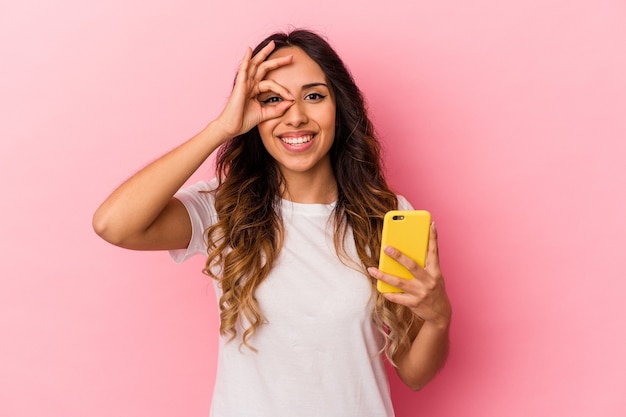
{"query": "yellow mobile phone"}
pixel 407 231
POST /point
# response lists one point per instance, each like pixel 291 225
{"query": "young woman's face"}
pixel 301 138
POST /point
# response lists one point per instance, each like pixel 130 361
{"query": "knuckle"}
pixel 398 283
pixel 416 301
pixel 421 295
pixel 411 263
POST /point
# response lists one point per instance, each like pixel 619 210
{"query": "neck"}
pixel 310 189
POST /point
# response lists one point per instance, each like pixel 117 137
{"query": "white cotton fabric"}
pixel 317 353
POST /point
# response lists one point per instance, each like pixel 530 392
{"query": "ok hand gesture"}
pixel 243 111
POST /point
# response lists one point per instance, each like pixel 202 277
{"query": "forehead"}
pixel 302 70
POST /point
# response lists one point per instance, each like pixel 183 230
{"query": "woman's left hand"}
pixel 425 294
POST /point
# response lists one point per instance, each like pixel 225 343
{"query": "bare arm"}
pixel 142 213
pixel 426 356
pixel 426 296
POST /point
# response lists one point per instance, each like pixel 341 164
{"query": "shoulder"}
pixel 403 203
pixel 201 190
pixel 199 200
pixel 201 186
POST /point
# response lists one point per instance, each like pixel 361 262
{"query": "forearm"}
pixel 135 204
pixel 426 355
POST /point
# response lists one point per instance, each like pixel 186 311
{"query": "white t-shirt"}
pixel 317 353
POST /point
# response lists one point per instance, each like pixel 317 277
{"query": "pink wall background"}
pixel 506 119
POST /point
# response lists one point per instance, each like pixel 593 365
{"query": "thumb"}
pixel 277 110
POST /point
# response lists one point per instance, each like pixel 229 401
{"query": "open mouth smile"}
pixel 296 140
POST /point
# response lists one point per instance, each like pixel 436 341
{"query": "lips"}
pixel 296 138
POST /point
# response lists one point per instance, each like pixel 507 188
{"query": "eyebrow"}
pixel 311 85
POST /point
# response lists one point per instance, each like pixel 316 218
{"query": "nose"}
pixel 295 115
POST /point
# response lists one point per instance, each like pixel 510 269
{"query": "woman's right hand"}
pixel 141 213
pixel 243 111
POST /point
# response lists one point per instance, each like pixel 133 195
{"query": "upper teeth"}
pixel 297 140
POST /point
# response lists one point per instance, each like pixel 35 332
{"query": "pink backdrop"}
pixel 507 119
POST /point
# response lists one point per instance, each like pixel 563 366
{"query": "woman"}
pixel 291 228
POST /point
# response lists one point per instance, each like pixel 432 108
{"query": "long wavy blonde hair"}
pixel 247 238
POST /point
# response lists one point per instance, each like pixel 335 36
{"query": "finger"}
pixel 403 260
pixel 400 283
pixel 432 257
pixel 242 72
pixel 276 111
pixel 245 61
pixel 264 53
pixel 271 86
pixel 404 299
pixel 261 56
pixel 272 64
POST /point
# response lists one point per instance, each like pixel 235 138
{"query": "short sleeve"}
pixel 200 205
pixel 403 203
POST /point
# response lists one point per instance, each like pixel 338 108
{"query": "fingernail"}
pixel 372 270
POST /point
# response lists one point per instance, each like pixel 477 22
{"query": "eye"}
pixel 271 100
pixel 314 96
